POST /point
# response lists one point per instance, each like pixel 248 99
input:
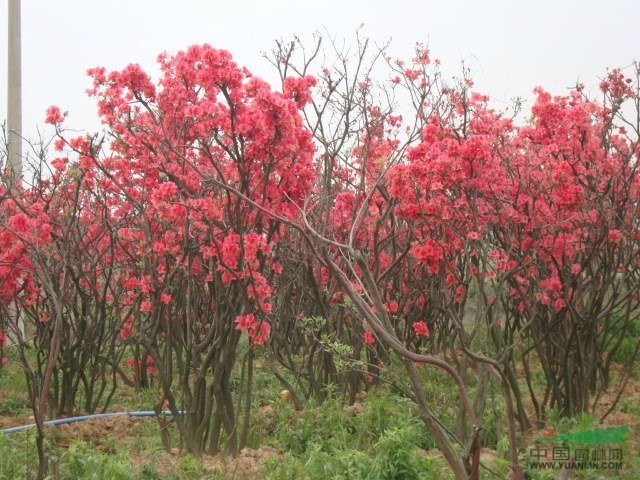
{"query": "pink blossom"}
pixel 421 329
pixel 368 339
pixel 614 236
pixel 54 115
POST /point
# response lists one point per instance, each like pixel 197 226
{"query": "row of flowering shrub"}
pixel 211 206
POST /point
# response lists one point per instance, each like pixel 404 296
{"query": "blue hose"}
pixel 60 421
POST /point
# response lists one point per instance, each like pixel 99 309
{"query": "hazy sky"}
pixel 511 46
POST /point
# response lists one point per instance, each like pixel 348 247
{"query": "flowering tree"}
pixel 195 261
pixel 56 270
pixel 362 246
pixel 572 241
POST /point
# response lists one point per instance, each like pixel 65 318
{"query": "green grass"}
pixel 384 440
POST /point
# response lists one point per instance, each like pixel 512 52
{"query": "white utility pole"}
pixel 14 117
pixel 14 94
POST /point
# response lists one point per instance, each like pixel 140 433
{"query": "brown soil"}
pixel 9 422
pixel 248 464
pixel 103 433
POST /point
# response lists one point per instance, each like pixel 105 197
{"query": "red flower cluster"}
pixel 147 360
pixel 421 329
pixel 368 339
pixel 258 330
